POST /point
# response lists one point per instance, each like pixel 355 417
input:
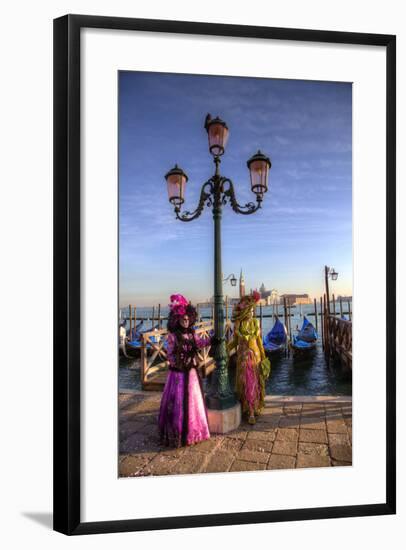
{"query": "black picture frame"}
pixel 67 288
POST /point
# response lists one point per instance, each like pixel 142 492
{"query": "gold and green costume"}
pixel 253 368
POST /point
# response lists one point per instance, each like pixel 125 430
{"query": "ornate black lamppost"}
pixel 329 272
pixel 215 193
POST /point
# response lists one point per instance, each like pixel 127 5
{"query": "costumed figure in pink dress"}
pixel 183 415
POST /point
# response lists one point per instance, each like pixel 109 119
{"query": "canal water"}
pixel 303 375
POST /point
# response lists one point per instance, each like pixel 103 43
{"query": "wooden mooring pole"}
pixel 129 314
pixel 341 307
pixel 159 315
pixel 326 272
pixel 286 323
pixel 315 312
pixel 289 326
pixel 321 322
pixel 285 313
pixel 326 333
pixel 260 317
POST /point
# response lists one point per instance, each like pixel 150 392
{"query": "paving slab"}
pixel 263 435
pixel 238 434
pixel 191 463
pixel 338 439
pixel 267 422
pixel 253 456
pixel 138 443
pixel 312 461
pixel 341 452
pixel 340 463
pixel 312 436
pixel 313 449
pixel 317 412
pixel 207 445
pixel 313 423
pixel 281 462
pixel 231 444
pixel 287 434
pixel 336 426
pixel 129 427
pixel 219 461
pixel 259 445
pixel 159 465
pixel 285 448
pixel 132 465
pixel 289 421
pixel 243 466
pixel 295 408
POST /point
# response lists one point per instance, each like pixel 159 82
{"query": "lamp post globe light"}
pixel 223 408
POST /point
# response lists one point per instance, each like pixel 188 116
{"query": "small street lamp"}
pixel 333 274
pixel 216 192
pixel 232 278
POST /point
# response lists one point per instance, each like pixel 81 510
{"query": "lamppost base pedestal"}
pixel 224 420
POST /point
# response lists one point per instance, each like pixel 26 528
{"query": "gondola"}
pixel 133 345
pixel 275 340
pixel 135 332
pixel 306 338
pixel 132 336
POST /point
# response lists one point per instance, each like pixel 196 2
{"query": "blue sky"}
pixel 305 127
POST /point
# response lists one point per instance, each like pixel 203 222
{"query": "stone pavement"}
pixel 291 433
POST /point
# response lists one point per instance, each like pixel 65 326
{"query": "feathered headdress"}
pixel 245 305
pixel 178 304
pixel 179 307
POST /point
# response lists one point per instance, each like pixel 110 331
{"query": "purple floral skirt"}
pixel 183 415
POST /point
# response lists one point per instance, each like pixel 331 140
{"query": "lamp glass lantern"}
pixel 176 181
pixel 233 281
pixel 259 166
pixel 217 132
pixel 334 274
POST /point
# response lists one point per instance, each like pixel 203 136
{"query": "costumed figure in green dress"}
pixel 253 367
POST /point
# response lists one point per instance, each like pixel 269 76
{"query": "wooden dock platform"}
pixel 154 360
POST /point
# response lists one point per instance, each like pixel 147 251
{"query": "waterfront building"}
pixel 344 298
pixel 268 297
pixel 264 293
pixel 295 299
pixel 274 296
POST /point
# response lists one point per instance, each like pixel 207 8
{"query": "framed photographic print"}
pixel 224 271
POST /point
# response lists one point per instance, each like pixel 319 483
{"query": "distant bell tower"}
pixel 242 285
